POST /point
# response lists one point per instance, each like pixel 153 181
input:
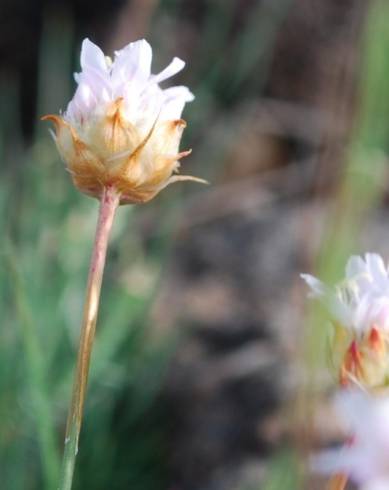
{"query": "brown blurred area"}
pixel 272 142
pixel 234 275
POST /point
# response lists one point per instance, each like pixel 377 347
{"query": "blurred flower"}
pixel 377 484
pixel 365 458
pixel 362 298
pixel 121 129
pixel 359 309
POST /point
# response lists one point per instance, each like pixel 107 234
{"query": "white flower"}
pixel 365 458
pixel 359 309
pixel 362 298
pixel 377 484
pixel 121 128
pixel 129 77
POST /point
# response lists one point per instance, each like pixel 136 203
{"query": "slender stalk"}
pixel 337 482
pixel 108 205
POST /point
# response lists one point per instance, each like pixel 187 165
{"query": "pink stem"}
pixel 109 202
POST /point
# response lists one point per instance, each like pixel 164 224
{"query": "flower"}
pixel 121 129
pixel 377 484
pixel 365 457
pixel 362 298
pixel 359 309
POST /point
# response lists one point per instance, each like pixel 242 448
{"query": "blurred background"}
pixel 209 370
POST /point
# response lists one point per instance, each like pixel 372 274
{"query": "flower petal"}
pixel 174 100
pixel 356 266
pixel 317 287
pixel 377 484
pixel 376 267
pixel 132 63
pixel 92 56
pixel 174 67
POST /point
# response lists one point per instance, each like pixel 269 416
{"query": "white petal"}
pixel 178 92
pixel 365 458
pixel 80 105
pixel 355 267
pixel 353 406
pixel 338 308
pixel 149 106
pixel 318 288
pixel 174 67
pixel 364 314
pixel 96 82
pixel 93 83
pixel 132 62
pixel 343 460
pixel 341 311
pixel 92 56
pixel 377 484
pixel 376 266
pixel 175 99
pixel 380 313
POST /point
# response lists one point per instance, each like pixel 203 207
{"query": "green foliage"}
pixel 283 472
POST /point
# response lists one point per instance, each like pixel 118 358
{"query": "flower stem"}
pixel 108 205
pixel 337 482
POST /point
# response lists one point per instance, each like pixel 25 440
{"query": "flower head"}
pixel 362 298
pixel 365 457
pixel 359 310
pixel 121 128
